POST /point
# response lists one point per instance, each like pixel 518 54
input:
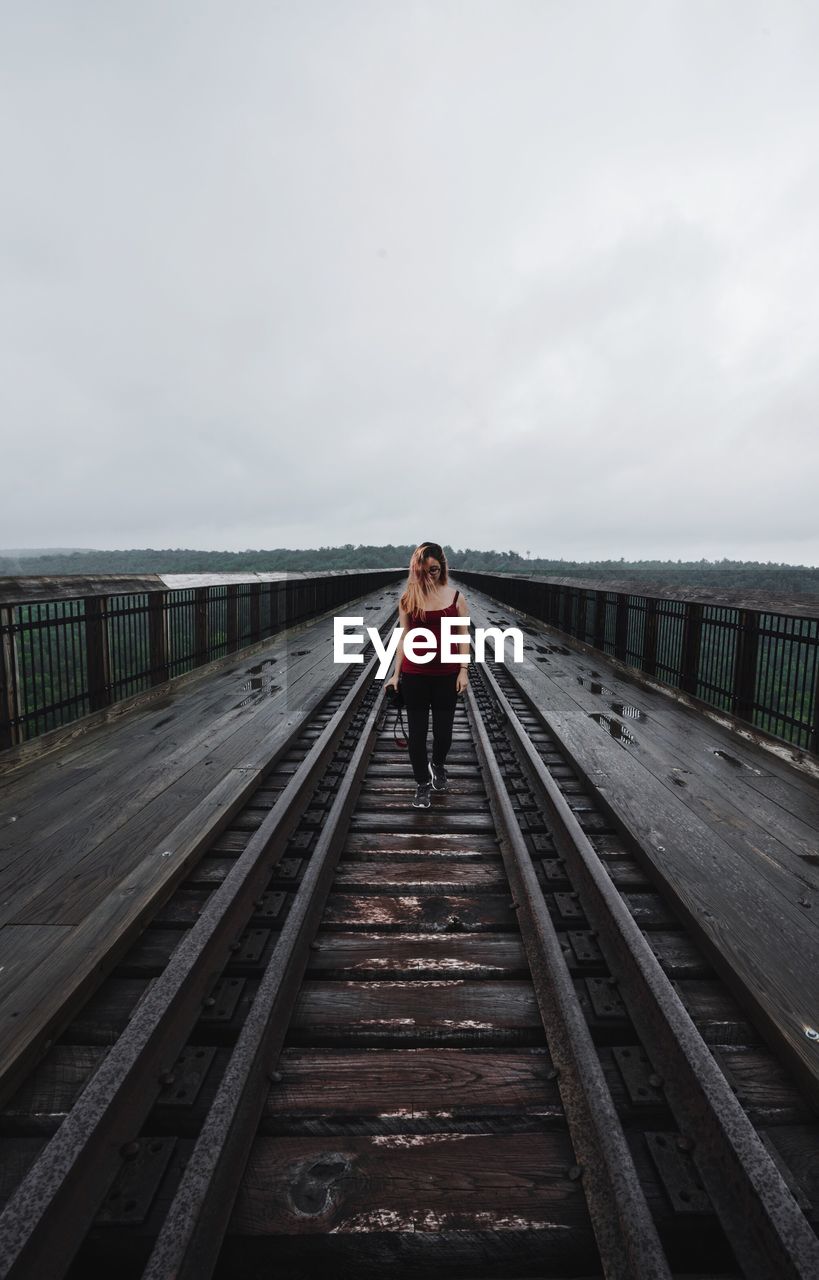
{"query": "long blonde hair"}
pixel 420 583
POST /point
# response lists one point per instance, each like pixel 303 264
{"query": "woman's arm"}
pixel 463 645
pixel 403 622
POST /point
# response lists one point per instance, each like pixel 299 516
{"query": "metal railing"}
pixel 74 646
pixel 760 665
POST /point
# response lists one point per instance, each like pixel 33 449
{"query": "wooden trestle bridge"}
pixel 258 1016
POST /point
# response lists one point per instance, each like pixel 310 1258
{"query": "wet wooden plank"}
pixel 363 955
pixel 796 1147
pixel 436 913
pixel 22 948
pixel 53 1087
pixel 403 1183
pixel 17 1155
pixel 405 783
pixel 437 1011
pixel 432 875
pixel 395 766
pixel 717 1016
pixel 763 1087
pixel 103 1018
pixel 413 1083
pixel 388 844
pixel 678 955
pixel 389 803
pixel 649 910
pixel 437 818
pixel 626 874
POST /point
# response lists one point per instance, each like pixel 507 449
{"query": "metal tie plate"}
pixel 251 946
pixel 605 1001
pixel 585 948
pixel 268 906
pixel 289 868
pixel 223 1000
pixel 568 906
pixel 186 1077
pixel 678 1174
pixel 133 1190
pixel 638 1074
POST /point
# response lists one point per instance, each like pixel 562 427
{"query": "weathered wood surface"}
pixel 85 831
pixel 438 913
pixel 377 845
pixel 436 818
pixel 428 876
pixel 442 1181
pixel 414 1083
pixel 420 955
pixel 730 830
pixel 441 1011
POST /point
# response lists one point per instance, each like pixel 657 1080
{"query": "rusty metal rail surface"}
pixel 350 997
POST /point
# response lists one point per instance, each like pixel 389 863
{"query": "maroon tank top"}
pixel 432 622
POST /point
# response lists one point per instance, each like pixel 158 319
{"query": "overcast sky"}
pixel 534 275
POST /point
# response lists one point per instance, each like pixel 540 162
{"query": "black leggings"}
pixel 421 693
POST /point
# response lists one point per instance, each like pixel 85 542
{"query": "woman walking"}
pixel 435 684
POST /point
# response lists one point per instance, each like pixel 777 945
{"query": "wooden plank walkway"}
pixel 94 830
pixel 729 827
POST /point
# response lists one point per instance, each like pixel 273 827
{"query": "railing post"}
pixel 97 655
pixel 255 612
pixel 745 664
pixel 600 620
pixel 232 608
pixel 650 638
pixel 279 611
pixel 621 628
pixel 271 608
pixel 10 727
pixel 582 605
pixel 158 636
pixel 201 642
pixel 692 638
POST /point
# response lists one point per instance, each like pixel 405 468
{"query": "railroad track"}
pixel 358 1035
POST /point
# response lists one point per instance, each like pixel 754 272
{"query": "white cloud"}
pixel 533 276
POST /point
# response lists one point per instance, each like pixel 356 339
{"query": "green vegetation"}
pixel 743 574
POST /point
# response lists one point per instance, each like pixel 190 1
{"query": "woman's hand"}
pixel 462 681
pixel 392 683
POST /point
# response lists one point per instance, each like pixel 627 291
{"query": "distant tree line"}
pixel 724 573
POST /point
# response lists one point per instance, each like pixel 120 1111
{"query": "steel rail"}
pixel 188 1244
pixel 763 1222
pixel 45 1220
pixel 627 1239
